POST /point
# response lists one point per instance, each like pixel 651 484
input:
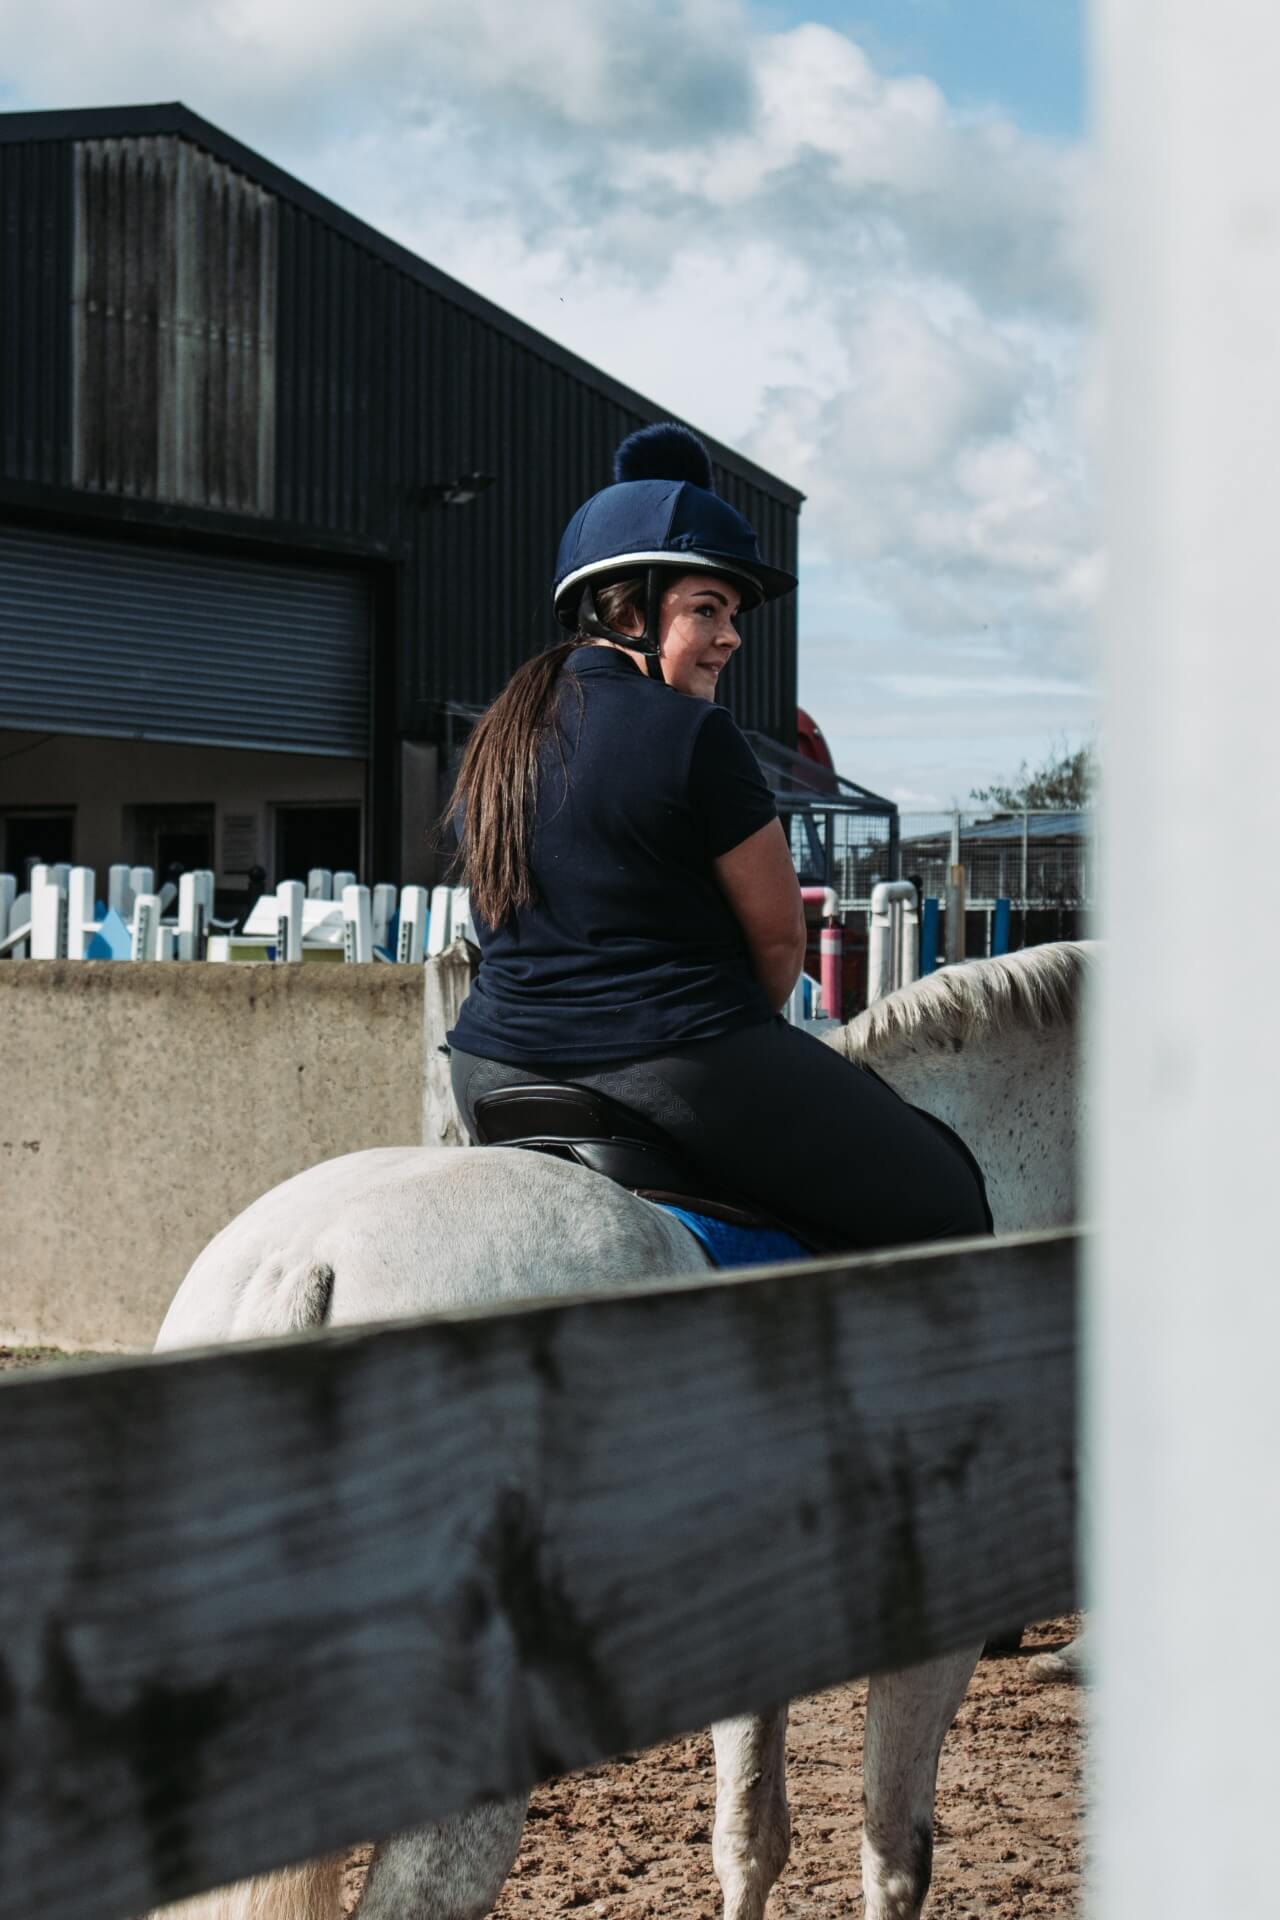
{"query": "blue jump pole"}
pixel 1000 927
pixel 929 937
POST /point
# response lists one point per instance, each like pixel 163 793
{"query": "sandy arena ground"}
pixel 632 1841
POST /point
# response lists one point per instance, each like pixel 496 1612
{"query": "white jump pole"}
pixel 8 894
pixel 146 927
pixel 119 892
pixel 341 881
pixel 192 918
pixel 289 898
pixel 357 924
pixel 141 880
pixel 461 925
pixel 18 937
pixel 383 908
pixel 1183 1320
pixel 439 932
pixel 411 935
pixel 80 914
pixel 48 915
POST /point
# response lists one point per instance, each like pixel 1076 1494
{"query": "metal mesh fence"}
pixel 1036 860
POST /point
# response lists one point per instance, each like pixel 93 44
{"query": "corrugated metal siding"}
pixel 384 385
pixel 35 312
pixel 386 389
pixel 114 637
pixel 174 290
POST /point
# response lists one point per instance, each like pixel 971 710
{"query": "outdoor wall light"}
pixel 455 493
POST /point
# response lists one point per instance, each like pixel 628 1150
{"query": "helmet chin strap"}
pixel 589 620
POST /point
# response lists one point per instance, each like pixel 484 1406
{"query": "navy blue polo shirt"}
pixel 630 947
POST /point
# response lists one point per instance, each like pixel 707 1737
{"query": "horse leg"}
pixel 752 1836
pixel 1068 1663
pixel 908 1714
pixel 452 1871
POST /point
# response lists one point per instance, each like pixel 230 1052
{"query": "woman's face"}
pixel 696 634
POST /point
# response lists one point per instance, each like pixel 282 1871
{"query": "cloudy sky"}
pixel 846 239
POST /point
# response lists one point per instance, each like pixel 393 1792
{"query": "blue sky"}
pixel 848 240
pixel 1026 56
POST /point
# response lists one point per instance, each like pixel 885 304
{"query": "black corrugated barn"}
pixel 275 497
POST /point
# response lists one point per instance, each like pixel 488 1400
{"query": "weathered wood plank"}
pixel 261 1602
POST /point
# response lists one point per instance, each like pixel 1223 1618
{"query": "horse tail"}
pixel 280 1299
pixel 312 1891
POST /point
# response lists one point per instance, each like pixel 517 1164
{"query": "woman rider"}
pixel 638 914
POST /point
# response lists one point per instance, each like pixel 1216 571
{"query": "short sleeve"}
pixel 728 793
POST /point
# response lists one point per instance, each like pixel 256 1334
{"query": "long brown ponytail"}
pixel 495 798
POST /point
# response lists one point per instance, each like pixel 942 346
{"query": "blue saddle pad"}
pixel 732 1246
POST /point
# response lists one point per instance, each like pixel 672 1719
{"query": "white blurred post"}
pixel 119 892
pixel 289 897
pixel 8 894
pixel 411 934
pixel 357 924
pixel 141 880
pixel 341 881
pixel 1183 1324
pixel 80 917
pixel 319 884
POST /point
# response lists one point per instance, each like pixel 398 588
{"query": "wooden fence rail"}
pixel 261 1602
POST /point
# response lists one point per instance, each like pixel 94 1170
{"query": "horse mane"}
pixel 1034 990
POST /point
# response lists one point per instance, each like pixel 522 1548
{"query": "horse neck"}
pixel 1014 1100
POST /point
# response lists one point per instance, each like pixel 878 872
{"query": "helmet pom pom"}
pixel 665 451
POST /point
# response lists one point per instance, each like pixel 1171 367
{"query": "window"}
pixel 319 836
pixel 45 834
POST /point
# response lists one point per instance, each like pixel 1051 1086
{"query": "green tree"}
pixel 1068 779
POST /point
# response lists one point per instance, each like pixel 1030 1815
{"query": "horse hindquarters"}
pixel 311 1891
pixel 908 1714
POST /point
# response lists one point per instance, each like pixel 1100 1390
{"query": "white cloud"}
pixel 877 297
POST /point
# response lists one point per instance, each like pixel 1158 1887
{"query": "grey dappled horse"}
pixel 991 1048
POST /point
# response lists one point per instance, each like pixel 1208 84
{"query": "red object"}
pixel 831 946
pixel 810 743
pixel 830 949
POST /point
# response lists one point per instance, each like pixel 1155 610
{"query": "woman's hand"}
pixel 759 881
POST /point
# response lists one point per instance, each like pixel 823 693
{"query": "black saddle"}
pixel 578 1124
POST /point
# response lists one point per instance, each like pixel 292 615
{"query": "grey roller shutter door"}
pixel 112 637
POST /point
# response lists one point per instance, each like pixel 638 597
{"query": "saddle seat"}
pixel 595 1131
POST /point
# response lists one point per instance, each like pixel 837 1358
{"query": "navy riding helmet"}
pixel 662 513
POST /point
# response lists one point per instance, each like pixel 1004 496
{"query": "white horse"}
pixel 990 1048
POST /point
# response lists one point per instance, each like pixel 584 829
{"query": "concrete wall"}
pixel 142 1107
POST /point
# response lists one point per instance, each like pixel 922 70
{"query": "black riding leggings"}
pixel 780 1118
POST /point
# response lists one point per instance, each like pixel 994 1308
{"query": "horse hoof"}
pixel 1050 1669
